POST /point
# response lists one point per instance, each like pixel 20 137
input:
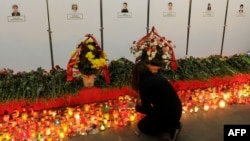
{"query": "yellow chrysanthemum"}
pixel 95 63
pixel 102 61
pixel 91 47
pixel 90 40
pixel 89 55
pixel 104 54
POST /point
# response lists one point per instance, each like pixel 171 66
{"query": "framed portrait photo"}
pixel 15 15
pixel 124 13
pixel 74 15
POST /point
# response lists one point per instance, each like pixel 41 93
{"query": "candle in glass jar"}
pixel 50 112
pixel 45 112
pixel 49 138
pixel 196 109
pixel 102 127
pixel 116 122
pixel 65 128
pixel 105 121
pixel 32 134
pixel 86 107
pixel 206 107
pixel 24 116
pixel 54 114
pixel 35 114
pixel 115 114
pixel 77 118
pixel 6 136
pixel 108 125
pixel 48 131
pixel 110 104
pixel 106 107
pixel 70 112
pixel 106 116
pixel 132 117
pixel 61 135
pixel 222 104
pixel 120 122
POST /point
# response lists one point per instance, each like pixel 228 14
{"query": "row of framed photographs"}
pixel 124 13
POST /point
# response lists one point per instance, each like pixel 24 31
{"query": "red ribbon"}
pixel 72 62
pixel 173 63
pixel 106 74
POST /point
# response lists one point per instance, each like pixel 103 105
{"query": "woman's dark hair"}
pixel 139 72
pixel 242 5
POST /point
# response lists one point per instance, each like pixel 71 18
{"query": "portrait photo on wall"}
pixel 241 12
pixel 74 15
pixel 208 12
pixel 169 12
pixel 15 14
pixel 124 13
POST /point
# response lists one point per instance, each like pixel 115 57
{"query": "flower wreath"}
pixel 154 49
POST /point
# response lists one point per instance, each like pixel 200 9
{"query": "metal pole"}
pixel 188 28
pixel 101 24
pixel 224 29
pixel 148 12
pixel 50 39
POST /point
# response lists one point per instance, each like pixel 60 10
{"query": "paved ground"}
pixel 201 126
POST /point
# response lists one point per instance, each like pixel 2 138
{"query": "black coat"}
pixel 124 10
pixel 16 14
pixel 159 98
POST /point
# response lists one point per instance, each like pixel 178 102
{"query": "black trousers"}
pixel 155 125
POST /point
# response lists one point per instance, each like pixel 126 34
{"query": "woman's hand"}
pixel 138 101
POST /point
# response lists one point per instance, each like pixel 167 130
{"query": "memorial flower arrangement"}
pixel 88 58
pixel 155 50
pixel 91 57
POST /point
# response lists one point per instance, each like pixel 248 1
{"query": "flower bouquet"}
pixel 88 60
pixel 154 50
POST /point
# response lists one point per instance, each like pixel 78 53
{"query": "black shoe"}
pixel 180 127
pixel 174 132
pixel 165 136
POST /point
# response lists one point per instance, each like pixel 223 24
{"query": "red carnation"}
pixel 152 40
pixel 147 48
pixel 161 40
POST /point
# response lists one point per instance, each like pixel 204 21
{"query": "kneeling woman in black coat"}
pixel 159 102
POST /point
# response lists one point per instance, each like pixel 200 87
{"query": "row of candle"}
pixel 60 123
pixel 215 97
pixel 90 118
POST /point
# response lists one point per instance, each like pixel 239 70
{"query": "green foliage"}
pixel 53 84
pixel 120 72
pixel 36 84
